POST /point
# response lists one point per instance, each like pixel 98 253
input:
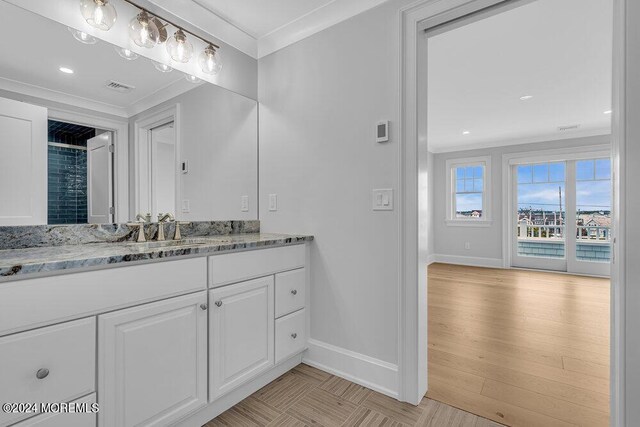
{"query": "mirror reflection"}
pixel 93 133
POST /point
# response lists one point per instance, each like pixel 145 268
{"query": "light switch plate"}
pixel 186 206
pixel 273 202
pixel 244 203
pixel 383 199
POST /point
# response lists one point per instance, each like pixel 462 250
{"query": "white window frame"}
pixel 450 218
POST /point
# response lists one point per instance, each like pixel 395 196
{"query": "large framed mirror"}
pixel 93 133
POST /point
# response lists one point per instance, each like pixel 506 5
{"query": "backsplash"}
pixel 20 237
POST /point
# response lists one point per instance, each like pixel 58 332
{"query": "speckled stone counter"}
pixel 18 263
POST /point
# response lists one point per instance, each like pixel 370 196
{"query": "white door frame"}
pixel 142 133
pixel 413 228
pixel 120 130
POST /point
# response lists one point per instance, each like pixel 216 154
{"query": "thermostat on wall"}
pixel 382 131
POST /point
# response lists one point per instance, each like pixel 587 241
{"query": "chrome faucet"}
pixel 162 218
pixel 144 218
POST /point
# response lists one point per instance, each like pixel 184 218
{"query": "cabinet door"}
pixel 152 363
pixel 242 337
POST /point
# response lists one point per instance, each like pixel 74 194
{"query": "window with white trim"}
pixel 468 191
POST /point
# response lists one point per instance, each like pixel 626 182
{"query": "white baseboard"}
pixel 431 259
pixel 358 368
pixel 468 260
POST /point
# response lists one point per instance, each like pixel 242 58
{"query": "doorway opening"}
pixel 520 179
pixel 79 174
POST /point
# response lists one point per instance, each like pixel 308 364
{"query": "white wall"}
pixel 319 102
pixel 219 139
pixel 485 242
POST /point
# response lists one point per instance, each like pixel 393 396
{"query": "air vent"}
pixel 119 87
pixel 569 127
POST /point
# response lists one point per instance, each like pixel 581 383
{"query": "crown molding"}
pixel 313 22
pixel 519 141
pixel 54 96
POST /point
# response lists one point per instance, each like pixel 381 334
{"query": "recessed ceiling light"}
pixel 526 97
pixel 163 68
pixel 466 132
pixel 607 112
pixel 66 70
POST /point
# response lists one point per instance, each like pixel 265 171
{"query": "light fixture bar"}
pixel 172 24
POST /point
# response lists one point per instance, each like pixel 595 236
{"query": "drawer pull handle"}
pixel 294 335
pixel 294 292
pixel 203 306
pixel 42 373
pixel 218 303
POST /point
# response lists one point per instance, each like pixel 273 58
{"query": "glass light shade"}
pixel 163 68
pixel 179 47
pixel 210 61
pixel 98 13
pixel 143 31
pixel 192 79
pixel 127 54
pixel 82 37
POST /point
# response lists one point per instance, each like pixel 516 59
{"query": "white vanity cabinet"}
pixel 152 362
pixel 241 333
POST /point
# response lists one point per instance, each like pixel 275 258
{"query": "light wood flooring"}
pixel 519 347
pixel 307 396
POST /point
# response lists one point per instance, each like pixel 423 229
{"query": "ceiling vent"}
pixel 119 87
pixel 569 127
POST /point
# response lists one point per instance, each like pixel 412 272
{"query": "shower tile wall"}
pixel 67 171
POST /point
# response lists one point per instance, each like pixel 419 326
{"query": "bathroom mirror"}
pixel 90 133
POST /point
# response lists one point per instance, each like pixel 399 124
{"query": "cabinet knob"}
pixel 294 335
pixel 294 292
pixel 203 306
pixel 42 373
pixel 218 303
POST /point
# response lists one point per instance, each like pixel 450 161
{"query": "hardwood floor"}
pixel 519 347
pixel 307 396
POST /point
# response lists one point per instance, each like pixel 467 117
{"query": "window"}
pixel 468 201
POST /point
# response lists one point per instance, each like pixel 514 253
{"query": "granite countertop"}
pixel 15 263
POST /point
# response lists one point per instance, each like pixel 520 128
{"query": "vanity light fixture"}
pixel 99 14
pixel 209 60
pixel 192 79
pixel 66 70
pixel 127 54
pixel 179 48
pixel 82 37
pixel 163 68
pixel 144 30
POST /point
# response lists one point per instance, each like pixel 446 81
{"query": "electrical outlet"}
pixel 467 245
pixel 244 203
pixel 186 206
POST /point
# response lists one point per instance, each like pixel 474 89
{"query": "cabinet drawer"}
pixel 290 291
pixel 53 364
pixel 237 267
pixel 78 419
pixel 291 335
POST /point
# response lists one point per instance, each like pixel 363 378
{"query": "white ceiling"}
pixel 559 52
pixel 29 64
